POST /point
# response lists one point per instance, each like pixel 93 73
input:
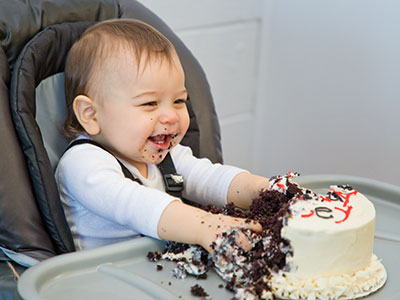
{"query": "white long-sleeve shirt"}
pixel 104 207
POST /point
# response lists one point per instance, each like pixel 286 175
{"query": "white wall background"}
pixel 309 86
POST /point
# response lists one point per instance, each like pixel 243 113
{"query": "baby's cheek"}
pixel 152 157
pixel 187 125
pixel 184 123
pixel 173 143
pixel 176 140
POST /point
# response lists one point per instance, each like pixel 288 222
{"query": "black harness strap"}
pixel 173 182
pixel 126 172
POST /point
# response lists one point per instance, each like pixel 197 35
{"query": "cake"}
pixel 311 246
pixel 332 239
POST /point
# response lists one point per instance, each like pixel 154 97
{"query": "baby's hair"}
pixel 98 43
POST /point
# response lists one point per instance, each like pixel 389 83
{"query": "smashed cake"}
pixel 311 246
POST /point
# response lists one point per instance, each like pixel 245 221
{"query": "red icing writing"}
pixel 308 215
pixel 281 185
pixel 325 198
pixel 346 213
pixel 346 209
pixel 345 196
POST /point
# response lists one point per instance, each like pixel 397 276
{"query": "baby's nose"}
pixel 169 115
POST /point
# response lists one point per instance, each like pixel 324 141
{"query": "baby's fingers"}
pixel 246 223
pixel 253 225
pixel 243 242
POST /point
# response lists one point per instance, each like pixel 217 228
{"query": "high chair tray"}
pixel 122 271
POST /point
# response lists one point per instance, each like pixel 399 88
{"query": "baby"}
pixel 126 102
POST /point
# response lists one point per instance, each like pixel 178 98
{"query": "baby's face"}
pixel 142 115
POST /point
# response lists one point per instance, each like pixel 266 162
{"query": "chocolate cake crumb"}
pixel 159 267
pixel 230 285
pixel 202 276
pixel 175 247
pixel 345 187
pixel 220 286
pixel 198 291
pixel 154 256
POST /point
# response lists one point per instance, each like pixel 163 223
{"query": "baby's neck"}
pixel 142 168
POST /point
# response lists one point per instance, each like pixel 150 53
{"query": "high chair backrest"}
pixel 34 48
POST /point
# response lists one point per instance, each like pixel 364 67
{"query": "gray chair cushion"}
pixel 21 226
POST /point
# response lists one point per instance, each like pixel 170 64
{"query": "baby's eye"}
pixel 150 103
pixel 178 101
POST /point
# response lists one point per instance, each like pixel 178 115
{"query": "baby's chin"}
pixel 154 158
pixel 152 155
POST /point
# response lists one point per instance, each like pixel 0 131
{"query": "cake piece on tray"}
pixel 311 246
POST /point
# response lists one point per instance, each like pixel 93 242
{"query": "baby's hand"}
pixel 214 224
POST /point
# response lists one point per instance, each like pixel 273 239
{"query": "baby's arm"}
pixel 208 183
pixel 245 187
pixel 187 224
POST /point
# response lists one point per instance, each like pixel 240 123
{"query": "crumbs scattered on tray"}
pixel 198 291
pixel 195 290
pixel 154 256
pixel 202 276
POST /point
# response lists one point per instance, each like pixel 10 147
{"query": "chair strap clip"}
pixel 173 182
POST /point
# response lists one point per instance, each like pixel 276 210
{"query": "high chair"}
pixel 35 38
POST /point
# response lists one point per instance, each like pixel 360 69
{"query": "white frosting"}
pixel 188 262
pixel 287 285
pixel 331 246
pixel 244 293
pixel 249 294
pixel 227 257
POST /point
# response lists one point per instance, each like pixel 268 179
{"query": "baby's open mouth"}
pixel 162 141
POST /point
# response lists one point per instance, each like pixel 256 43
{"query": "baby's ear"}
pixel 85 112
